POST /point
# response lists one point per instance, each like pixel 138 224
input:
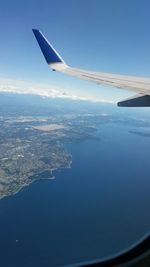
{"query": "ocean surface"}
pixel 92 210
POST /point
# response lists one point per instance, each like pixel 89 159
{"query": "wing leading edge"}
pixel 139 85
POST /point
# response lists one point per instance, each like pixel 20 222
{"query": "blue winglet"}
pixel 48 51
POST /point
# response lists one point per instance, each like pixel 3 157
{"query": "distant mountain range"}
pixel 27 104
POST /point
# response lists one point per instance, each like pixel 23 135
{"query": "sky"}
pixel 101 35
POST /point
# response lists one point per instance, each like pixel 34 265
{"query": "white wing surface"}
pixel 140 85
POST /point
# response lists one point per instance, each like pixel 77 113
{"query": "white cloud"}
pixel 22 87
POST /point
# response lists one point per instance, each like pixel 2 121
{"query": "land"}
pixel 28 153
pixel 32 147
pixel 34 132
pixel 49 127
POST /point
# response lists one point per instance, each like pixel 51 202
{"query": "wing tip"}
pixel 47 49
pixel 35 30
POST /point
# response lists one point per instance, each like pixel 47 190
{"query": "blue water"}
pixel 94 209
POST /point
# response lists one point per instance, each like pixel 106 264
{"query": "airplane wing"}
pixel 140 85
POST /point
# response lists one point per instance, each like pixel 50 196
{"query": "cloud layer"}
pixel 21 87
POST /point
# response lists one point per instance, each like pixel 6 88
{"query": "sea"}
pixel 97 208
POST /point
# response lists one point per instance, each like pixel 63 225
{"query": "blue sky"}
pixel 103 35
